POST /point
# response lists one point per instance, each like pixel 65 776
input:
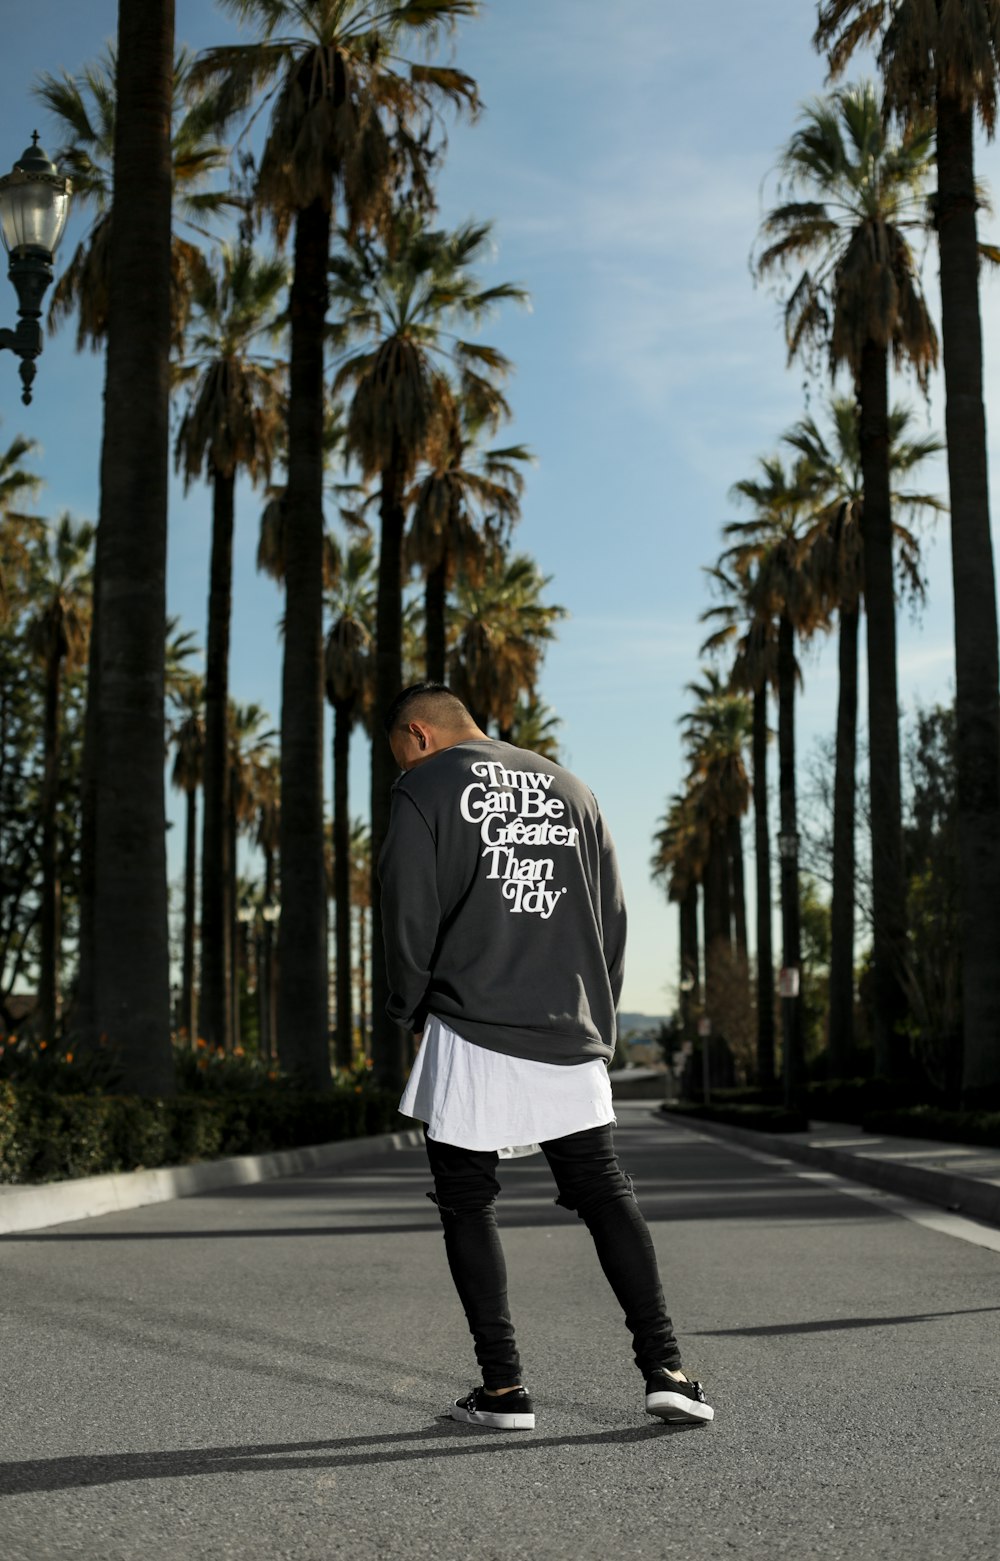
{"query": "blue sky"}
pixel 621 158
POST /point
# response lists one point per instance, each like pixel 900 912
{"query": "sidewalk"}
pixel 964 1178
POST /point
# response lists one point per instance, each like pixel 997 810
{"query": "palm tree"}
pixel 753 671
pixel 349 689
pixel 835 555
pixel 126 988
pixel 334 77
pixel 534 727
pixel 188 736
pixel 232 421
pixel 85 107
pixel 401 298
pixel 500 628
pixel 678 863
pixel 464 504
pixel 19 530
pixel 948 57
pixel 718 792
pixel 57 633
pixel 861 192
pixel 770 560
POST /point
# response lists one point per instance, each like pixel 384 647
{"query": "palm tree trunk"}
pixel 841 1010
pixel 268 1029
pixel 387 1038
pixel 363 981
pixel 737 875
pixel 690 994
pixel 888 883
pixel 435 597
pixel 188 1005
pixel 792 1037
pixel 234 925
pixel 342 878
pixel 84 1018
pixel 48 984
pixel 977 703
pixel 716 914
pixel 302 1005
pixel 762 862
pixel 216 926
pixel 131 940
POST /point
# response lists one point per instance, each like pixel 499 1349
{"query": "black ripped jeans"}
pixel 590 1181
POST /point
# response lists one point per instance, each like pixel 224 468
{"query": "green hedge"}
pixel 850 1100
pixel 827 1100
pixel 47 1137
pixel 958 1127
pixel 762 1119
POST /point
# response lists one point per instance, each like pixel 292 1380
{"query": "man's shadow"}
pixel 446 1438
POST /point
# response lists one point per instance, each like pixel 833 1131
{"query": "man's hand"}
pixel 418 1036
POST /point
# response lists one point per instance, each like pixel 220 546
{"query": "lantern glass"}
pixel 33 213
pixel 34 204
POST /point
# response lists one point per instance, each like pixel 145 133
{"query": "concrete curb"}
pixel 959 1194
pixel 57 1203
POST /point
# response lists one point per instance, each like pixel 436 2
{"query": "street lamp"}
pixel 34 205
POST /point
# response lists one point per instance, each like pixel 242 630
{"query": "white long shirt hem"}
pixel 480 1099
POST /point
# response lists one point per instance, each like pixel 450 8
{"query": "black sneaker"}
pixel 497 1411
pixel 671 1400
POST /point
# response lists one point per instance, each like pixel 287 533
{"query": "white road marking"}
pixel 940 1220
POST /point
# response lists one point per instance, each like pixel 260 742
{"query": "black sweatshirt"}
pixel 502 906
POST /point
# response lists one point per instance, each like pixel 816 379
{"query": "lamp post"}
pixel 34 205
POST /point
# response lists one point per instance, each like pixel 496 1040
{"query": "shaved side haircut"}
pixel 431 702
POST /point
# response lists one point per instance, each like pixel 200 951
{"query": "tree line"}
pixel 340 369
pixel 828 546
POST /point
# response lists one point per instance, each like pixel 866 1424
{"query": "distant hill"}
pixel 639 1023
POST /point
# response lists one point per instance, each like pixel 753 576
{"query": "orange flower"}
pixel 203 1062
pixel 69 1056
pixel 42 1045
pixel 200 1042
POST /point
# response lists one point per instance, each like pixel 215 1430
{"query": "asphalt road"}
pixel 259 1374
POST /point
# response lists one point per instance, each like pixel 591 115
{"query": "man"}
pixel 504 929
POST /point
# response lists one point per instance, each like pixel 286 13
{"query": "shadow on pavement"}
pixel 809 1204
pixel 449 1439
pixel 831 1324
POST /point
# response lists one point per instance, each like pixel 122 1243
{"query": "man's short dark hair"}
pixel 428 702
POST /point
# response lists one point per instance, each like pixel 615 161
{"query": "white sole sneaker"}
pixel 668 1405
pixel 520 1417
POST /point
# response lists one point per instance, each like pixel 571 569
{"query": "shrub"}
pixel 960 1127
pixel 761 1119
pixel 47 1136
pixel 848 1100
